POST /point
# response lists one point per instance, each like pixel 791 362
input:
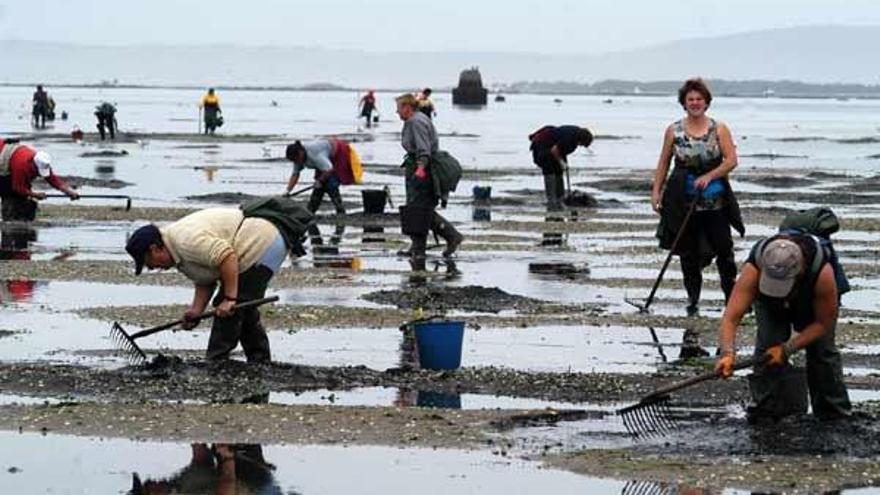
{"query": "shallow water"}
pixel 61 464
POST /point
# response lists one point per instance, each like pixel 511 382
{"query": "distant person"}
pixel 50 109
pixel 704 155
pixel 426 104
pixel 106 115
pixel 550 146
pixel 330 158
pixel 213 116
pixel 368 106
pixel 19 166
pixel 40 107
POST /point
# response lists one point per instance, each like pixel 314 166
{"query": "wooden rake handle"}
pixel 206 314
pixel 747 363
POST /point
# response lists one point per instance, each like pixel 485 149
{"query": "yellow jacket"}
pixel 210 101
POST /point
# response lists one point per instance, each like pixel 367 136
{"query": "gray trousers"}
pixel 828 394
pixel 244 325
pixel 554 189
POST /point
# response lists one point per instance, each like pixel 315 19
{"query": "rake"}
pixel 125 342
pixel 98 196
pixel 643 308
pixel 652 416
pixel 297 193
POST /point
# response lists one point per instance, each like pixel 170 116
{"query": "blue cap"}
pixel 139 243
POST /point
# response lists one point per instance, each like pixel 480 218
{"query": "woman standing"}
pixel 704 154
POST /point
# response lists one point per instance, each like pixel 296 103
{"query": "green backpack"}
pixel 819 223
pixel 446 172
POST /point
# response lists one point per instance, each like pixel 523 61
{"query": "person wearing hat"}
pixel 218 245
pixel 792 287
pixel 19 166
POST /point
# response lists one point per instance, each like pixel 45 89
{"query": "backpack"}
pixel 290 218
pixel 446 172
pixel 818 223
pixel 541 137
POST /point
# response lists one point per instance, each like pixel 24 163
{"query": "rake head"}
pixel 648 488
pixel 650 417
pixel 127 345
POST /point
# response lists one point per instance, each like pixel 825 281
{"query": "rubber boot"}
pixel 443 228
pixel 693 284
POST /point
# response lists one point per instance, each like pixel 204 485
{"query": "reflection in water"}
pixel 657 344
pixel 105 169
pixel 665 488
pixel 317 240
pixel 373 234
pixel 18 291
pixel 554 238
pixel 690 345
pixel 15 240
pixel 482 214
pixel 210 172
pixel 221 468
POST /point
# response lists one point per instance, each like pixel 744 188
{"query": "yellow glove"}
pixel 776 355
pixel 724 365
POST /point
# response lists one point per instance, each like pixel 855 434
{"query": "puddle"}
pixel 26 400
pixel 65 296
pixel 64 464
pixel 397 397
pixel 61 337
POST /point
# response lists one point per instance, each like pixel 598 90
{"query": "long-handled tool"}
pixel 643 308
pixel 297 193
pixel 126 342
pixel 651 416
pixel 388 196
pixel 98 196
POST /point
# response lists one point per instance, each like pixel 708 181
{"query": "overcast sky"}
pixel 546 26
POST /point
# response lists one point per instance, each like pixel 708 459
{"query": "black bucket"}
pixel 777 393
pixel 415 220
pixel 374 201
pixel 482 193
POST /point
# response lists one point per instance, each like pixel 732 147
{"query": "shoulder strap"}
pixel 819 257
pixel 6 157
pixel 759 249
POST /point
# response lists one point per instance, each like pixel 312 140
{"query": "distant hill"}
pixel 822 54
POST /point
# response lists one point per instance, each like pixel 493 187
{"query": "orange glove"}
pixel 724 365
pixel 776 355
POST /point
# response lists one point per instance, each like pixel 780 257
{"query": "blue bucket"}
pixel 439 344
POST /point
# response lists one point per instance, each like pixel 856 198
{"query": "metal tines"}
pixel 650 417
pixel 648 488
pixel 127 345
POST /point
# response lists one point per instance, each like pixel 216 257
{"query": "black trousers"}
pixel 244 325
pixel 18 208
pixel 106 123
pixel 707 235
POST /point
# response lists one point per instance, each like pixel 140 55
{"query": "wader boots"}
pixel 443 228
